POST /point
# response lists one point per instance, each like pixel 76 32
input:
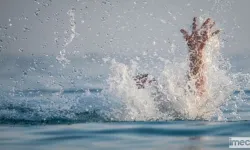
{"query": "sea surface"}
pixel 41 126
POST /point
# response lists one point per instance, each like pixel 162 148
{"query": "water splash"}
pixel 51 107
pixel 138 103
pixel 72 34
pixel 168 99
pixel 171 97
pixel 62 59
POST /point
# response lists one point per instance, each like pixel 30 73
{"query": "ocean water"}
pixel 188 135
pixel 25 126
pixel 75 89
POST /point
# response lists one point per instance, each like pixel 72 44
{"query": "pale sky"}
pixel 33 32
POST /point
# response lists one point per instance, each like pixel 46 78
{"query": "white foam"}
pixel 173 99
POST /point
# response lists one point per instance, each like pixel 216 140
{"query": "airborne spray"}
pixel 72 34
pixel 170 98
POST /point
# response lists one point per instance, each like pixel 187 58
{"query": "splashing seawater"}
pixel 171 97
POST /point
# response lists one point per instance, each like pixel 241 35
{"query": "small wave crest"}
pixel 52 107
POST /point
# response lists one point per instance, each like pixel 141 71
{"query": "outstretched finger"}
pixel 205 23
pixel 185 34
pixel 194 23
pixel 211 25
pixel 204 36
pixel 215 32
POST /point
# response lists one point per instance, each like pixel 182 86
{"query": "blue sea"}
pixel 33 124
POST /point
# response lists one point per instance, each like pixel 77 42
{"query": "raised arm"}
pixel 196 42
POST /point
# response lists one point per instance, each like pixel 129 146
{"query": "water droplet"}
pixel 25 73
pixel 48 18
pixel 89 28
pixel 26 29
pixel 163 21
pixel 37 12
pixel 20 50
pixel 36 2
